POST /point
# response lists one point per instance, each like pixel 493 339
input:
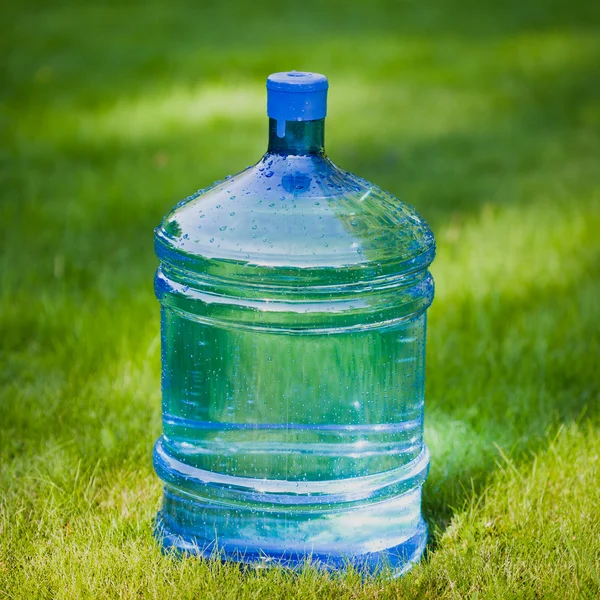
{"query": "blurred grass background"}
pixel 484 115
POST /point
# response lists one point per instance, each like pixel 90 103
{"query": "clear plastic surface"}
pixel 293 299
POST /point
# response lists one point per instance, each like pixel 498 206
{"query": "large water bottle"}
pixel 293 300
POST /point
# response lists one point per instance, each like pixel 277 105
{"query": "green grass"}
pixel 486 116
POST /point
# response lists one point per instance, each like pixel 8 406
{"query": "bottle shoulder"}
pixel 294 214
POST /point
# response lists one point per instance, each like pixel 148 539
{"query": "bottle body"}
pixel 293 313
pixel 289 445
pixel 293 380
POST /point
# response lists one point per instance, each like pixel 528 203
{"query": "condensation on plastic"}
pixel 293 300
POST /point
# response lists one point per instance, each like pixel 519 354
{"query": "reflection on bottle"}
pixel 293 299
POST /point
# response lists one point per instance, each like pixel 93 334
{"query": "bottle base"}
pixel 396 560
pixel 372 522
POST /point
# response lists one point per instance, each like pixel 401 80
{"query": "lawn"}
pixel 484 115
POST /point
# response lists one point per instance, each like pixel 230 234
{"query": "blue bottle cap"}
pixel 296 96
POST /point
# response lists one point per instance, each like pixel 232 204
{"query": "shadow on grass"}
pixel 530 370
pixel 541 136
pixel 153 43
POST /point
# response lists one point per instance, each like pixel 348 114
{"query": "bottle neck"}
pixel 300 137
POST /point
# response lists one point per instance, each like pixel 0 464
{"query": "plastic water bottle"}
pixel 293 300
